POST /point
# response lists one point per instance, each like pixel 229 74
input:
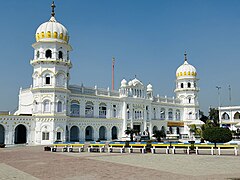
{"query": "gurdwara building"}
pixel 52 110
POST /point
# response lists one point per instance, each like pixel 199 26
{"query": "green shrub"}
pixel 217 135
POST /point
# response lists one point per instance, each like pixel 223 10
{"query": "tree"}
pixel 214 116
pixel 159 134
pixel 203 118
pixel 217 135
pixel 131 132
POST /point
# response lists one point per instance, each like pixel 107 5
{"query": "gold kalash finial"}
pixel 53 6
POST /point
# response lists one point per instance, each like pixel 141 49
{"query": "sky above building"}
pixel 148 39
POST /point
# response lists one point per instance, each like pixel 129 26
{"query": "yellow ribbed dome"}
pixel 186 70
pixel 52 31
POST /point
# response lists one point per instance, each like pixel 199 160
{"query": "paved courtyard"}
pixel 34 163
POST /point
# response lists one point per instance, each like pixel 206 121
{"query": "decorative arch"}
pixel 45 130
pixel 102 110
pixel 236 115
pixel 102 133
pixel 170 114
pixel 48 54
pixel 35 106
pixel 178 115
pixel 46 106
pixel 74 134
pixel 20 135
pixel 59 133
pixel 225 116
pixel 162 114
pixel 60 55
pixel 181 85
pixel 59 106
pixel 89 109
pixel 2 134
pixel 114 132
pixel 75 108
pixel 89 133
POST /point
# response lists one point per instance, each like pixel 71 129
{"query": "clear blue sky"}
pixel 147 37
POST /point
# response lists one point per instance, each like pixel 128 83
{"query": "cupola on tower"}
pixel 51 64
pixel 187 90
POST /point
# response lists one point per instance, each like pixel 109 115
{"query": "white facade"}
pixel 52 110
pixel 229 116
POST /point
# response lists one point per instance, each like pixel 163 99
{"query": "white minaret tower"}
pixel 51 66
pixel 187 90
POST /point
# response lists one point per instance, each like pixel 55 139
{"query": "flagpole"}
pixel 113 63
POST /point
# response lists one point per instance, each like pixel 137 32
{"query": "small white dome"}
pixel 123 83
pixel 186 70
pixel 130 83
pixel 149 87
pixel 135 82
pixel 52 31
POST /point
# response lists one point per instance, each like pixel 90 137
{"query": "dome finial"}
pixel 53 6
pixel 185 56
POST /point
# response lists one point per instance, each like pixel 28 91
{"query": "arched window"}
pixel 236 115
pixel 59 106
pixel 47 79
pixel 46 106
pixel 68 55
pixel 154 113
pixel 75 109
pixel 114 111
pixel 162 114
pixel 177 114
pixel 38 54
pixel 190 115
pixel 181 85
pixel 89 109
pixel 189 84
pixel 189 100
pixel 48 53
pixel 35 106
pixel 60 55
pixel 170 114
pixel 128 114
pixel 102 110
pixel 225 116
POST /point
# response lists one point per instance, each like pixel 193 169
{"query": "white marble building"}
pixel 229 116
pixel 53 110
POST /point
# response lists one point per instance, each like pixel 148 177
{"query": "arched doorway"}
pixel 114 132
pixel 102 133
pixel 2 134
pixel 74 134
pixel 20 134
pixel 89 133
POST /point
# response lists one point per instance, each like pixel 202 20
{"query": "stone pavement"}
pixel 34 163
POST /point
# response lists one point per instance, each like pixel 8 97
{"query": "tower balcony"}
pixel 187 89
pixel 51 61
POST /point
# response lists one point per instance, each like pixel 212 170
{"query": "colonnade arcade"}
pixel 89 134
pixel 20 134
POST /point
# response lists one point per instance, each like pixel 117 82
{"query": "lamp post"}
pixel 230 99
pixel 219 103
